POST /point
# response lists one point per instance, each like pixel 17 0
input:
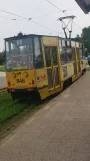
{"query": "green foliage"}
pixel 86 37
pixel 77 38
pixel 2 68
pixel 2 58
pixel 8 108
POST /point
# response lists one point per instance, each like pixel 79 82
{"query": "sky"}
pixel 41 12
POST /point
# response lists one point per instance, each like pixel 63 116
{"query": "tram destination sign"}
pixel 84 5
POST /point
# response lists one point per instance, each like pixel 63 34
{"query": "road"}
pixel 58 132
pixel 2 80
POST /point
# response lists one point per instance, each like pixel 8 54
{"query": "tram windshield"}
pixel 19 54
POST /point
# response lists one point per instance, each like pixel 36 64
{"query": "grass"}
pixel 8 108
pixel 14 114
pixel 2 68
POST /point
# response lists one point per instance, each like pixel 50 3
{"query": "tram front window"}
pixel 19 54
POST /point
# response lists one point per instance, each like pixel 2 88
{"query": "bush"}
pixel 2 58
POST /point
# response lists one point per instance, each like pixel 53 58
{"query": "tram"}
pixel 40 66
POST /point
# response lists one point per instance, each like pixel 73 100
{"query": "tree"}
pixel 77 38
pixel 86 37
pixel 2 58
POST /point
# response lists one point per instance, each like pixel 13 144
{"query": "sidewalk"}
pixel 58 132
pixel 3 83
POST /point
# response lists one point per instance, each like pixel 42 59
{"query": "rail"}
pixel 3 90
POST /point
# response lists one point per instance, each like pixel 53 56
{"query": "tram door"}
pixel 51 58
pixel 74 61
pixel 78 60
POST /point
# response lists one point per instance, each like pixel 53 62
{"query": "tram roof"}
pixel 28 36
pixel 34 35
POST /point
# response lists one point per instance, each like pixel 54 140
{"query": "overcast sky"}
pixel 38 9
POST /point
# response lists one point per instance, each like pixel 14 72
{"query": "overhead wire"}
pixel 44 15
pixel 47 14
pixel 63 11
pixel 6 18
pixel 45 27
pixel 14 14
pixel 29 19
pixel 53 5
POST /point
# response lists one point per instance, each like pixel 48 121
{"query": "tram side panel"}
pixel 84 61
pixel 66 62
pixel 51 70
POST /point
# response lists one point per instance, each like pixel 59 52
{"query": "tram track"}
pixel 3 90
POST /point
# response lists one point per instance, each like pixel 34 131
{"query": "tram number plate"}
pixel 20 80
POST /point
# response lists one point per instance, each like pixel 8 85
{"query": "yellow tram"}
pixel 39 65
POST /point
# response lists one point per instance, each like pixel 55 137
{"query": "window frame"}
pixel 16 39
pixel 41 51
pixel 65 54
pixel 62 53
pixel 45 56
pixel 51 55
pixel 69 60
pixel 55 56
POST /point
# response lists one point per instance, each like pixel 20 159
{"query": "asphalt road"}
pixel 58 132
pixel 2 80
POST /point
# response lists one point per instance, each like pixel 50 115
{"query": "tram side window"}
pixel 81 54
pixel 8 51
pixel 64 58
pixel 69 55
pixel 78 53
pixel 73 53
pixel 47 56
pixel 63 54
pixel 83 51
pixel 38 54
pixel 54 54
